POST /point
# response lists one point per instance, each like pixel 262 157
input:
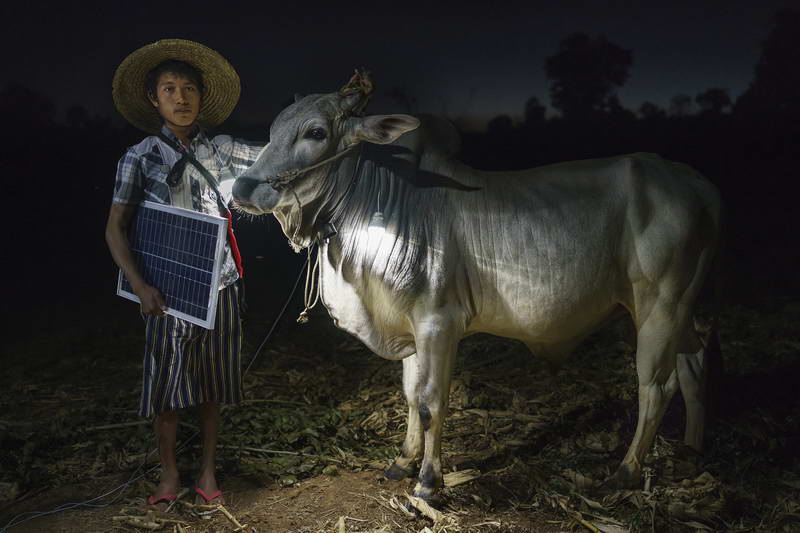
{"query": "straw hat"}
pixel 221 82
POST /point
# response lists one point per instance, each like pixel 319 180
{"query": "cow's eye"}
pixel 316 134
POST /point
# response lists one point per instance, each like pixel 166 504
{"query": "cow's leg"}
pixel 437 342
pixel 662 313
pixel 411 451
pixel 692 377
pixel 657 341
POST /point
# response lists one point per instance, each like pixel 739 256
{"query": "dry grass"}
pixel 523 450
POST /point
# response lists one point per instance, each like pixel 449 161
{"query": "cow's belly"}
pixel 545 295
pixel 540 315
pixel 543 317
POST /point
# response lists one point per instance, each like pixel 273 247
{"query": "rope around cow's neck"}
pixel 310 299
pixel 292 240
pixel 284 179
pixel 311 292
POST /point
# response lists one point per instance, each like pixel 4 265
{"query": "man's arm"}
pixel 244 154
pixel 119 218
pixel 239 156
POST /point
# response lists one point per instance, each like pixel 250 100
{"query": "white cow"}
pixel 544 256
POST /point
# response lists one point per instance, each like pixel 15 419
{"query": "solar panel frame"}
pixel 184 264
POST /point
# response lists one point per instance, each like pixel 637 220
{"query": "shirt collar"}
pixel 198 138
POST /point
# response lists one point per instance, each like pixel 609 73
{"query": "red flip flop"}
pixel 206 497
pixel 209 501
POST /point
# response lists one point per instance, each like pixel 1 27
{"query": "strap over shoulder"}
pixel 188 156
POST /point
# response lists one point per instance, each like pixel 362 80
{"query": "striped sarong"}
pixel 186 365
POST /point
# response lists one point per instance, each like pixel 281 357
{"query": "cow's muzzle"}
pixel 243 187
pixel 243 192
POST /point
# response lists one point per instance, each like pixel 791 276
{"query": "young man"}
pixel 178 88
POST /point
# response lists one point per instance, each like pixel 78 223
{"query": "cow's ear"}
pixel 383 129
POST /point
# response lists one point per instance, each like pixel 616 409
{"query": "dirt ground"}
pixel 523 447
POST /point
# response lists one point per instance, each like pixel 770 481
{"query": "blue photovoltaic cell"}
pixel 176 253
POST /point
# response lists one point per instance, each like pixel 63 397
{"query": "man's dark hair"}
pixel 174 66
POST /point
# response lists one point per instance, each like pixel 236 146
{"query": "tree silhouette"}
pixel 680 105
pixel 585 73
pixel 501 124
pixel 534 112
pixel 650 111
pixel 614 109
pixel 24 108
pixel 715 101
pixel 777 77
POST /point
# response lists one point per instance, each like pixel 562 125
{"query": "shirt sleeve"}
pixel 243 155
pixel 129 184
pixel 238 155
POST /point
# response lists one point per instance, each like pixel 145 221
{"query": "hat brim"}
pixel 222 86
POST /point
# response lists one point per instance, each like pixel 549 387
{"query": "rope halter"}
pixel 281 180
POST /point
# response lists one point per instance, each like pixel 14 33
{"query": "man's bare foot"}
pixel 207 483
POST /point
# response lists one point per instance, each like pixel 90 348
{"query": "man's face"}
pixel 177 99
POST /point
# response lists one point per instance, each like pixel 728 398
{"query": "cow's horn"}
pixel 356 92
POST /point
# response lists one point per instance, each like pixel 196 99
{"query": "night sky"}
pixel 470 61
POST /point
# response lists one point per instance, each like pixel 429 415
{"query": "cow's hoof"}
pixel 432 498
pixel 396 472
pixel 411 509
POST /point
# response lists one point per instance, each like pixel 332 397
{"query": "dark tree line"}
pixel 750 147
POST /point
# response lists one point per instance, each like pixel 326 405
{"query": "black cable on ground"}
pixel 136 476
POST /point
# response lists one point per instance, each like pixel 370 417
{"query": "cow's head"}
pixel 310 131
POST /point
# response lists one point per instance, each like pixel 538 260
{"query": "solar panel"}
pixel 178 251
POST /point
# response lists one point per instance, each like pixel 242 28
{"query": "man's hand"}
pixel 152 302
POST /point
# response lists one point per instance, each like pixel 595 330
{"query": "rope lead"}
pixel 311 292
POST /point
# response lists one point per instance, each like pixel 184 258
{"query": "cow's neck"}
pixel 414 218
pixel 351 191
pixel 361 273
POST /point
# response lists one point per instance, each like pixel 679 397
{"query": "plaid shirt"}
pixel 142 175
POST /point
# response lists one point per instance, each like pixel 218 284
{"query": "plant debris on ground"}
pixel 524 448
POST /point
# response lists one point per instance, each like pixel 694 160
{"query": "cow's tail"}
pixel 708 330
pixel 715 371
